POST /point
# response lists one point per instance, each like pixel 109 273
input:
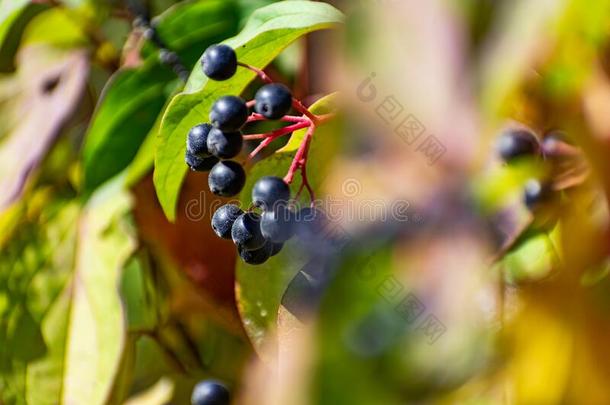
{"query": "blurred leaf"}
pixel 159 394
pixel 14 17
pixel 532 259
pixel 517 39
pixel 140 295
pixel 65 271
pixel 269 31
pixel 51 86
pixel 59 27
pixel 84 328
pixel 260 288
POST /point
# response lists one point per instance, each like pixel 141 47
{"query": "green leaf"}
pixel 14 17
pixel 189 26
pixel 85 326
pixel 134 98
pixel 130 105
pixel 61 278
pixel 260 288
pixel 269 31
pixel 533 258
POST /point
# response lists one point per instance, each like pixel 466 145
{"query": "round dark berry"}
pixel 276 248
pixel 210 392
pixel 517 143
pixel 269 191
pixel 536 193
pixel 224 218
pixel 229 113
pixel 199 164
pixel 257 256
pixel 227 178
pixel 277 224
pixel 246 232
pixel 273 101
pixel 219 62
pixel 197 140
pixel 224 145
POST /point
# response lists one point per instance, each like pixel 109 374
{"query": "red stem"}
pixel 262 75
pixel 270 137
pixel 298 157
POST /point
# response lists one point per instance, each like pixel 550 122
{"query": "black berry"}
pixel 246 232
pixel 227 178
pixel 536 193
pixel 229 113
pixel 277 224
pixel 219 62
pixel 273 101
pixel 196 141
pixel 224 218
pixel 199 164
pixel 269 191
pixel 276 248
pixel 210 392
pixel 517 143
pixel 257 256
pixel 224 145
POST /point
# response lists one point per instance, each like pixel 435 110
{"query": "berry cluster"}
pixel 521 143
pixel 210 146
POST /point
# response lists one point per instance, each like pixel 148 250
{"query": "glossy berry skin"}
pixel 246 232
pixel 536 193
pixel 277 225
pixel 257 256
pixel 219 62
pixel 517 143
pixel 227 178
pixel 224 145
pixel 269 191
pixel 273 101
pixel 210 392
pixel 229 113
pixel 224 218
pixel 199 164
pixel 197 140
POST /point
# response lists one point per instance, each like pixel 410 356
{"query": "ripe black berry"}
pixel 199 164
pixel 227 178
pixel 224 218
pixel 219 62
pixel 277 224
pixel 536 193
pixel 196 141
pixel 276 248
pixel 229 113
pixel 269 191
pixel 246 232
pixel 224 145
pixel 273 101
pixel 210 392
pixel 517 143
pixel 257 256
